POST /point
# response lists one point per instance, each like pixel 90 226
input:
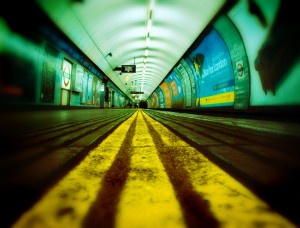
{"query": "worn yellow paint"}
pixel 231 202
pixel 67 203
pixel 148 199
pixel 217 99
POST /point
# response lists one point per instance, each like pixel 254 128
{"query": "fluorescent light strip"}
pixel 149 25
pixel 147 41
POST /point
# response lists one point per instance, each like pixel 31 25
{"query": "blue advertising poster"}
pixel 161 98
pixel 213 72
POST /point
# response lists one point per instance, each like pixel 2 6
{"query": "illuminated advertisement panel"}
pixel 196 77
pixel 155 103
pixel 167 94
pixel 66 78
pixel 150 101
pixel 176 88
pixel 90 89
pixel 213 72
pixel 191 76
pixel 187 88
pixel 96 94
pixel 78 79
pixel 84 87
pixel 161 98
pixel 239 61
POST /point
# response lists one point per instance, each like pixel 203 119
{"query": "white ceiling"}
pixel 119 27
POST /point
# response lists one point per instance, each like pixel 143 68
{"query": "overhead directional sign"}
pixel 128 69
pixel 136 92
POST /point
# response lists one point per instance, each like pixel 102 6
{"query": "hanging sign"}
pixel 128 69
pixel 136 92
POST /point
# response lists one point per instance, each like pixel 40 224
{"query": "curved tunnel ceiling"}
pixel 121 27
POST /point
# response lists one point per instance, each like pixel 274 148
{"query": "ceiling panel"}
pixel 121 27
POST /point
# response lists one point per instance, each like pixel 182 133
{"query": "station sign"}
pixel 128 69
pixel 136 92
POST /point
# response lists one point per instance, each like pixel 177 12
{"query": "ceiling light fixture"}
pixel 147 41
pixel 146 52
pixel 147 38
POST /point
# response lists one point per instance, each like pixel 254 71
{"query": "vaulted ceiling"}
pixel 153 35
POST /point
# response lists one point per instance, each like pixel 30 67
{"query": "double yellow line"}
pixel 142 175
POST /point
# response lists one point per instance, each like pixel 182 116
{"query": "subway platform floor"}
pixel 143 175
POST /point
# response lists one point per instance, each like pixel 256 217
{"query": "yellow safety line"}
pixel 231 202
pixel 68 202
pixel 148 199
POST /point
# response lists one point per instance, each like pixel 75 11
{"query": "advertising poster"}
pixel 196 78
pixel 90 89
pixel 96 94
pixel 213 72
pixel 186 85
pixel 154 100
pixel 161 98
pixel 84 88
pixel 167 94
pixel 176 88
pixel 78 79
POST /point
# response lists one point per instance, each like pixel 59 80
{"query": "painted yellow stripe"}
pixel 217 99
pixel 148 199
pixel 231 202
pixel 68 202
